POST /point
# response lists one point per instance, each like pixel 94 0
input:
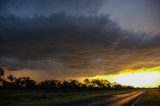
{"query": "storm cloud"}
pixel 70 38
pixel 55 35
pixel 29 8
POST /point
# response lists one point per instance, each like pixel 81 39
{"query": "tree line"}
pixel 12 82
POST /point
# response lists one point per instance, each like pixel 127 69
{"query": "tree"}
pixel 86 82
pixel 1 72
pixel 49 85
pixel 96 83
pixel 117 86
pixel 30 84
pixel 74 84
pixel 11 78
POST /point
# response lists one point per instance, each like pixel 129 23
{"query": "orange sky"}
pixel 145 77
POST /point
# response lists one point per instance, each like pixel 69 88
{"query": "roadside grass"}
pixel 151 98
pixel 43 98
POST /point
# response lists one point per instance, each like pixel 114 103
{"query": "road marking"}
pixel 133 104
pixel 118 99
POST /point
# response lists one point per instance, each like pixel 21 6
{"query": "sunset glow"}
pixel 145 77
pixel 79 52
pixel 78 39
pixel 139 79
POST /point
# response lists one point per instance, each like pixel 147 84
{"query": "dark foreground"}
pixel 91 98
pixel 124 99
pixel 46 98
pixel 151 98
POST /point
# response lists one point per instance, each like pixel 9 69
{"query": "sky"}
pixel 61 39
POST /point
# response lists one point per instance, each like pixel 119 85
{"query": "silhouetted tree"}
pixel 49 85
pixel 1 74
pixel 116 86
pixel 87 82
pixel 56 85
pixel 74 84
pixel 30 84
pixel 11 78
pixel 22 82
pixel 96 83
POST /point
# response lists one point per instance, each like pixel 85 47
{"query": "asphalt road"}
pixel 127 99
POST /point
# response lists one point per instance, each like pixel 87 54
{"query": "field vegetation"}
pixel 24 91
pixel 151 98
pixel 47 98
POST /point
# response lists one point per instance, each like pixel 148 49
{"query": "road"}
pixel 127 99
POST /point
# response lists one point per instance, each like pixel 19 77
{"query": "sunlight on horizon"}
pixel 145 77
pixel 141 79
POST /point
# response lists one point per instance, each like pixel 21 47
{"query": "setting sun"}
pixel 144 77
pixel 139 79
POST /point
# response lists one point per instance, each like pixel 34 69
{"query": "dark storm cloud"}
pixel 42 38
pixel 63 36
pixel 62 39
pixel 46 7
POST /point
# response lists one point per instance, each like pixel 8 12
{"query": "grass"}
pixel 42 98
pixel 151 98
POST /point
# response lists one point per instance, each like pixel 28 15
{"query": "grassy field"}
pixel 151 98
pixel 42 98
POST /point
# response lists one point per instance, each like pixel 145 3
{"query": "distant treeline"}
pixel 70 85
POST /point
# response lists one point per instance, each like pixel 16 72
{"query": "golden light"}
pixel 144 77
pixel 141 79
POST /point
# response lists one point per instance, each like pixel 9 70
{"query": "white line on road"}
pixel 133 104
